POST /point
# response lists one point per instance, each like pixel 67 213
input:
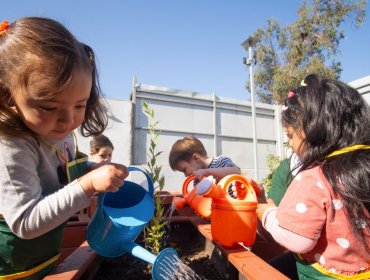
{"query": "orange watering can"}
pixel 201 205
pixel 233 218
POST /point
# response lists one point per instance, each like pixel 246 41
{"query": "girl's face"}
pixel 103 155
pixel 55 118
pixel 295 139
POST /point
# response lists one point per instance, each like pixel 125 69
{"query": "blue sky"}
pixel 192 45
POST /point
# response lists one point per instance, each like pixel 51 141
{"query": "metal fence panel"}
pixel 223 125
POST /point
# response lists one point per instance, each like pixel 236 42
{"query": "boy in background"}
pixel 101 149
pixel 189 156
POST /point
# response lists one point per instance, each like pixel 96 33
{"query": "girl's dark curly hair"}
pixel 332 116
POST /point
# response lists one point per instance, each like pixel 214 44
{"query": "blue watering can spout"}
pixel 164 266
pixel 139 252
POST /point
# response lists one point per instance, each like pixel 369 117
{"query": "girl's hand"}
pixel 94 165
pixel 261 195
pixel 261 207
pixel 106 178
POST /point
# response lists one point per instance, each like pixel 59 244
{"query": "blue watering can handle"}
pixel 149 180
pixel 100 202
pixel 130 168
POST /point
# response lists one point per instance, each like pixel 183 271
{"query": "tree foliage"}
pixel 285 55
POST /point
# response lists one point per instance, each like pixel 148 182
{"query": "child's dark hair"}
pixel 333 115
pixel 98 142
pixel 184 149
pixel 41 51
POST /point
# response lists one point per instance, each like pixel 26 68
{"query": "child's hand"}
pixel 106 178
pixel 261 195
pixel 261 207
pixel 94 165
pixel 200 174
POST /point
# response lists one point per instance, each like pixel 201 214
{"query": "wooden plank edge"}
pixel 75 265
pixel 246 262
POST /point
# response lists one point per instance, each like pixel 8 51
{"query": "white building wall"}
pixel 119 131
pixel 363 87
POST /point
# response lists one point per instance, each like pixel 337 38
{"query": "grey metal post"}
pixel 249 62
pixel 215 152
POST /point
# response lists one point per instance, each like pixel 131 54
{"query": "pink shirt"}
pixel 311 209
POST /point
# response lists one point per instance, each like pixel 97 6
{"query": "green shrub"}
pixel 272 163
pixel 155 230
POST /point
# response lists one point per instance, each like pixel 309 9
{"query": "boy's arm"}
pixel 219 172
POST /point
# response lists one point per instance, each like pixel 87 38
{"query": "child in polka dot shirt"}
pixel 324 216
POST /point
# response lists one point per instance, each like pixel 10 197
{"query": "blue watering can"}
pixel 119 219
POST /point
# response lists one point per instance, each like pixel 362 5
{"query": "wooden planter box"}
pixel 75 230
pixel 236 263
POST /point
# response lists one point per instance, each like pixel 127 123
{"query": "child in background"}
pixel 101 149
pixel 189 156
pixel 324 215
pixel 48 88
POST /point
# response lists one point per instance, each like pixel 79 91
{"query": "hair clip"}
pixel 291 94
pixel 3 27
pixel 303 84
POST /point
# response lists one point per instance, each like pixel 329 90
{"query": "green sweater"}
pixel 280 181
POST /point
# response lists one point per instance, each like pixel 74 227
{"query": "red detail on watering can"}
pixel 201 205
pixel 234 218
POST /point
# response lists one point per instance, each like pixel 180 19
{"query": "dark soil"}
pixel 189 245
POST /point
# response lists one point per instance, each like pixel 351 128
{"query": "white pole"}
pixel 255 154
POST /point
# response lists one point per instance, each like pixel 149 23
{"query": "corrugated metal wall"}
pixel 224 126
pixel 363 87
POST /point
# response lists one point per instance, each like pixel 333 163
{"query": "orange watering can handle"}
pixel 256 186
pixel 186 183
pixel 250 184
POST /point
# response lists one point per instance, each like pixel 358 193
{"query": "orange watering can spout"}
pixel 179 202
pixel 201 205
